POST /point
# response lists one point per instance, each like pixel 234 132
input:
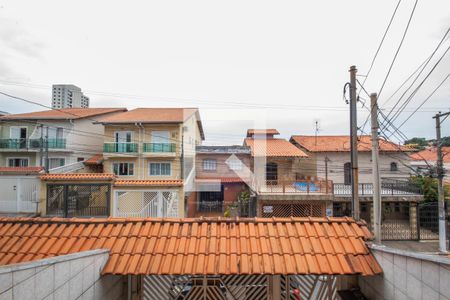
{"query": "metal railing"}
pixel 159 147
pixel 387 188
pixel 297 186
pixel 32 143
pixel 120 147
pixel 210 206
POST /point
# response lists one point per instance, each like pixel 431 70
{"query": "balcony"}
pixel 307 187
pixel 32 144
pixel 120 148
pixel 388 188
pixel 159 149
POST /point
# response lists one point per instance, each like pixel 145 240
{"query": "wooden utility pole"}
pixel 326 174
pixel 47 161
pixel 375 169
pixel 440 176
pixel 354 143
pixel 41 147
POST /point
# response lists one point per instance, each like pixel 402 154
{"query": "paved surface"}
pixel 416 246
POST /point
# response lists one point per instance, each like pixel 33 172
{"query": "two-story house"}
pixel 51 138
pixel 152 153
pixel 330 155
pixel 144 169
pixel 222 175
pixel 284 181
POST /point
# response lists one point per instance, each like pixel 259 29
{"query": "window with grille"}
pixel 235 164
pixel 123 169
pixel 160 169
pixel 394 167
pixel 55 162
pixel 209 164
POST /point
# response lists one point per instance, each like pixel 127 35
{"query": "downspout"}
pixel 142 142
pixel 182 154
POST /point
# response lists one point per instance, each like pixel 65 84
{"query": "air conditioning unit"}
pixel 35 143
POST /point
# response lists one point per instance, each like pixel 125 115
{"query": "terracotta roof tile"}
pixel 78 176
pixel 97 159
pixel 152 115
pixel 196 246
pixel 430 155
pixel 341 143
pixel 63 114
pixel 168 182
pixel 273 148
pixel 21 170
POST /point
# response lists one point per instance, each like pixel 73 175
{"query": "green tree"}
pixel 419 142
pixel 429 187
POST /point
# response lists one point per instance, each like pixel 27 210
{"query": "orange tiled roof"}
pixel 197 246
pixel 79 176
pixel 430 154
pixel 273 148
pixel 152 115
pixel 21 170
pixel 94 160
pixel 272 131
pixel 168 182
pixel 62 114
pixel 341 143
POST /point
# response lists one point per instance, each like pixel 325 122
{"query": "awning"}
pixel 197 246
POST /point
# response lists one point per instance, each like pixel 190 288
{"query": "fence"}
pixel 78 200
pixel 293 209
pixel 387 188
pixel 297 187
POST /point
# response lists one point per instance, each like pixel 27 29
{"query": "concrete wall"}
pixel 223 170
pixel 408 275
pixel 338 159
pixel 73 276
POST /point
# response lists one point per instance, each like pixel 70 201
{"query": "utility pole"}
pixel 47 162
pixel 440 176
pixel 326 174
pixel 354 143
pixel 375 169
pixel 41 147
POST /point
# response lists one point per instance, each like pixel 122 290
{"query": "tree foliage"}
pixel 429 187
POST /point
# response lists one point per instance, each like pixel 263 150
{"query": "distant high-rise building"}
pixel 67 96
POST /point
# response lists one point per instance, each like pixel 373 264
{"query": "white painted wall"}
pixel 338 159
pixel 73 276
pixel 408 275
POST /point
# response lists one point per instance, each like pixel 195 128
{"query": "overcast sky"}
pixel 280 64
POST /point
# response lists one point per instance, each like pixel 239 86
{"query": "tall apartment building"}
pixel 68 96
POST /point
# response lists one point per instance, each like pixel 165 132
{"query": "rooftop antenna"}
pixel 316 124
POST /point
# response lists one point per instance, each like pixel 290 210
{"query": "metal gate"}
pixel 78 200
pixel 428 219
pixel 302 209
pixel 19 194
pixel 142 204
pixel 238 287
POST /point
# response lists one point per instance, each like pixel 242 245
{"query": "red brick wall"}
pixel 191 205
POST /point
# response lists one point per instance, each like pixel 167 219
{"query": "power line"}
pixel 379 46
pixel 399 47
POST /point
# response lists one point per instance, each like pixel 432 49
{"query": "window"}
pixel 394 167
pixel 160 169
pixel 235 165
pixel 123 137
pixel 80 159
pixel 17 162
pixel 209 164
pixel 123 169
pixel 347 173
pixel 160 137
pixel 55 162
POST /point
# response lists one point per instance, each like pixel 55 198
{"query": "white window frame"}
pixel 25 158
pixel 20 127
pixel 56 158
pixel 123 162
pixel 159 162
pixel 131 134
pixel 205 163
pixel 235 165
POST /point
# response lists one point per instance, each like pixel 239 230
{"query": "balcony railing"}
pixel 159 147
pixel 32 143
pixel 296 187
pixel 387 188
pixel 120 147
